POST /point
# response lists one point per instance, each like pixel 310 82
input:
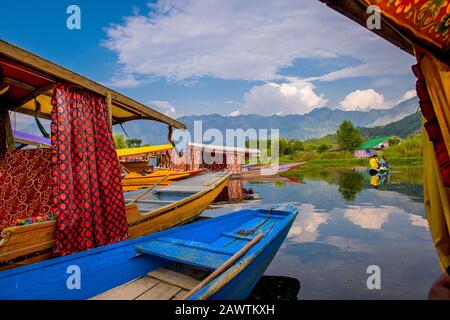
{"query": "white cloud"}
pixel 250 40
pixel 419 221
pixel 125 81
pixel 409 94
pixel 236 103
pixel 306 226
pixel 363 100
pixel 165 107
pixel 297 97
pixel 235 113
pixel 367 218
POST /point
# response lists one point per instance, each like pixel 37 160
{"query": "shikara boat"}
pixel 134 180
pixel 269 170
pixel 147 212
pixel 382 170
pixel 218 258
pixel 137 159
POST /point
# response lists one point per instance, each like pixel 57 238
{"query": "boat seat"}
pixel 179 189
pixel 25 185
pixel 188 252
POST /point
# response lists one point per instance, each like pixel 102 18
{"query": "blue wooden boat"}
pixel 164 265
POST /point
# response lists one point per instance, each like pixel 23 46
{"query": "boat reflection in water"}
pixel 272 288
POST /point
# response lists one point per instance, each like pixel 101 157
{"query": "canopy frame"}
pixel 52 73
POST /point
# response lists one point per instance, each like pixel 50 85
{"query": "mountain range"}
pixel 407 126
pixel 315 124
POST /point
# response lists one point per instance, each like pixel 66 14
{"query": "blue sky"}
pixel 213 56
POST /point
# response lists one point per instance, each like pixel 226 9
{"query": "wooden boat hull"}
pixel 23 245
pixel 374 172
pixel 136 166
pixel 108 267
pixel 135 179
pixel 267 171
pixel 174 214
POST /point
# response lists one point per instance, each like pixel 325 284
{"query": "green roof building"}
pixel 371 147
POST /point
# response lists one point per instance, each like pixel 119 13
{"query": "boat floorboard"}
pixel 160 284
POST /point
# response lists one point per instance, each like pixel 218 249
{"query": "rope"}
pixel 252 231
pixel 38 122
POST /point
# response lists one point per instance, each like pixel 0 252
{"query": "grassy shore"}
pixel 318 163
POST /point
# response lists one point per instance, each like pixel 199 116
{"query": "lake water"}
pixel 344 225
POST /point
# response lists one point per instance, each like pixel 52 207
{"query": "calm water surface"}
pixel 346 224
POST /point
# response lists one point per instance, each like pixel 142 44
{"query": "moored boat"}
pixel 269 170
pixel 142 159
pixel 141 180
pixel 160 209
pixel 218 258
pixel 69 198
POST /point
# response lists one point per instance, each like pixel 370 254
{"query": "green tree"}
pixel 119 141
pixel 297 145
pixel 350 184
pixel 348 136
pixel 133 143
pixel 323 147
pixel 283 146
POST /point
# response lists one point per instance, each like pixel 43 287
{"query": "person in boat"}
pixel 383 162
pixel 374 163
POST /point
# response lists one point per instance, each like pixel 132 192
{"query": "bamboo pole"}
pixel 225 266
pixel 143 194
pixel 9 132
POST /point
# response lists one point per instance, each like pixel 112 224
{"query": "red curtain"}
pixel 87 192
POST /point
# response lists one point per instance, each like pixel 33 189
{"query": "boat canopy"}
pixel 224 149
pixel 143 150
pixel 405 24
pixel 26 78
pixel 30 139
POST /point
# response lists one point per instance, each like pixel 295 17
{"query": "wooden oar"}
pixel 225 266
pixel 143 194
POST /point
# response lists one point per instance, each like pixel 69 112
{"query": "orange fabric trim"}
pixel 428 20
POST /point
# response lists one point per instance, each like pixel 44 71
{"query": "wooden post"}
pixel 109 107
pixel 9 132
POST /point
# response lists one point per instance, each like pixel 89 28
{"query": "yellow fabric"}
pixel 143 150
pixel 436 196
pixel 437 203
pixel 46 106
pixel 375 180
pixel 373 163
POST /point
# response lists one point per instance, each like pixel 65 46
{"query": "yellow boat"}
pixel 141 180
pixel 137 159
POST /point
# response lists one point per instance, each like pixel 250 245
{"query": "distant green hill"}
pixel 407 126
pixel 403 128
